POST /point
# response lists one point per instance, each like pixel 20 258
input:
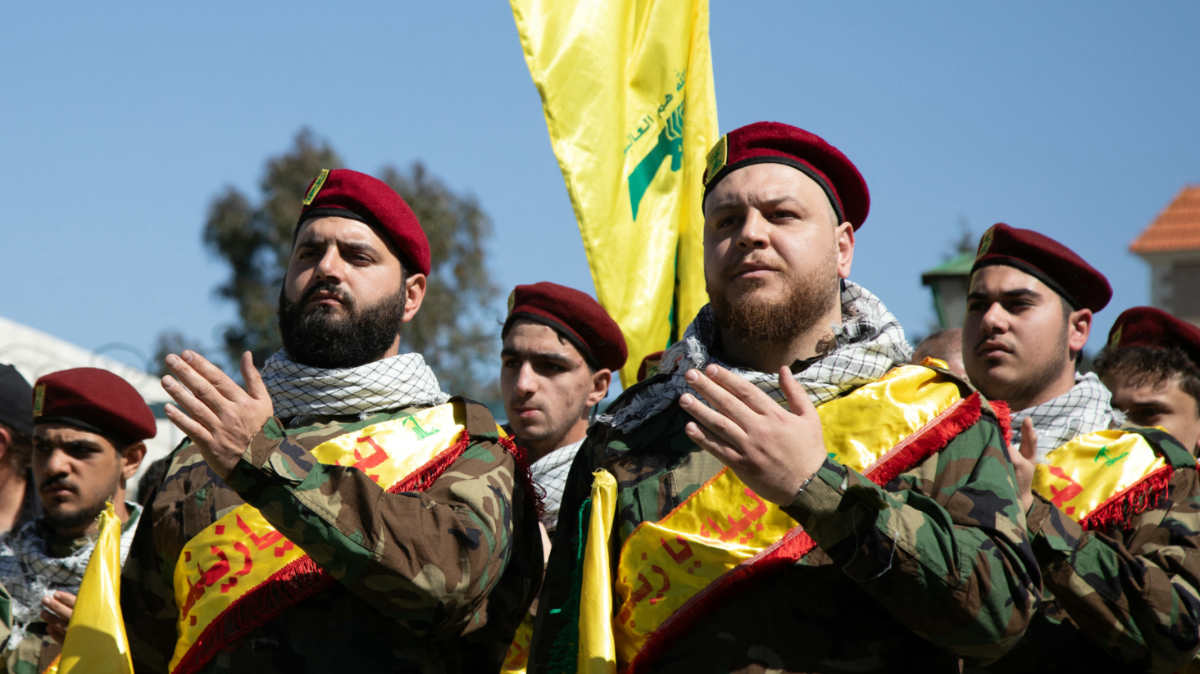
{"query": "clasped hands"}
pixel 219 416
pixel 774 450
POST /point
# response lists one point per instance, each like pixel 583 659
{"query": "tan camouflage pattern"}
pixel 934 566
pixel 1125 598
pixel 431 581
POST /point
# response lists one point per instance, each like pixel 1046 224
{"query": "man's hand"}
pixel 57 608
pixel 218 415
pixel 1023 462
pixel 773 450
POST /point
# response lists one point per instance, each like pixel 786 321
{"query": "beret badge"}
pixel 39 400
pixel 985 242
pixel 1114 340
pixel 717 156
pixel 315 189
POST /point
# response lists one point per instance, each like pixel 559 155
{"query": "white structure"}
pixel 35 353
pixel 1171 246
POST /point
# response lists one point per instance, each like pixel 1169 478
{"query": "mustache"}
pixel 330 287
pixel 55 482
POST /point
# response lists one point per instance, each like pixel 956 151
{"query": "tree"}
pixel 455 330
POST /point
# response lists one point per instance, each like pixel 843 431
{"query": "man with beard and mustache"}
pixel 1114 514
pixel 339 511
pixel 715 521
pixel 88 440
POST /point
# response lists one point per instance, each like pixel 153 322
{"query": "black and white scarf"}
pixel 392 383
pixel 1087 407
pixel 868 343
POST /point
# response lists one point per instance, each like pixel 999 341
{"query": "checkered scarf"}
pixel 30 570
pixel 1085 408
pixel 392 383
pixel 868 343
pixel 550 473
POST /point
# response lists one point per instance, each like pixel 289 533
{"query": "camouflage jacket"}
pixel 1124 597
pixel 432 581
pixel 934 565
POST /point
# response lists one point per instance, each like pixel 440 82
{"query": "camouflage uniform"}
pixel 1123 597
pixel 934 565
pixel 430 582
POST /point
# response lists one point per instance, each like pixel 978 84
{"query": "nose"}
pixel 54 464
pixel 995 319
pixel 526 381
pixel 753 232
pixel 330 264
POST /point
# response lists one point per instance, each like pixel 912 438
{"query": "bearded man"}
pixel 340 511
pixel 707 527
pixel 90 428
pixel 1114 514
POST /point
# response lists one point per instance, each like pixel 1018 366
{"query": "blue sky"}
pixel 121 121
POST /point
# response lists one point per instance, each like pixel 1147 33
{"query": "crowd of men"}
pixel 788 488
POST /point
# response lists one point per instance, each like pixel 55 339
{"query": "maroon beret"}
pixel 773 142
pixel 350 194
pixel 574 315
pixel 95 400
pixel 1046 259
pixel 1155 329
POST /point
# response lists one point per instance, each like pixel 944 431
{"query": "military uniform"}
pixel 425 581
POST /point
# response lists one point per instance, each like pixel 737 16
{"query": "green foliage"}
pixel 455 329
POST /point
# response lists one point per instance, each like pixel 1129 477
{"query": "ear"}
pixel 1079 326
pixel 414 294
pixel 6 439
pixel 131 460
pixel 600 381
pixel 845 248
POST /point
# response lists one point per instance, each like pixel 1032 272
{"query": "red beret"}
pixel 1155 329
pixel 1046 259
pixel 574 315
pixel 777 143
pixel 95 400
pixel 350 194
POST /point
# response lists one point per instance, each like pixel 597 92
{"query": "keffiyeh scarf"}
pixel 1085 408
pixel 392 383
pixel 550 473
pixel 868 343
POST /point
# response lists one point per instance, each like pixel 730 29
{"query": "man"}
pixel 746 535
pixel 560 349
pixel 1152 366
pixel 1116 514
pixel 89 439
pixel 338 513
pixel 18 501
pixel 946 346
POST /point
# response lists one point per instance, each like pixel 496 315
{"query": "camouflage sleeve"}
pixel 1136 592
pixel 428 559
pixel 942 547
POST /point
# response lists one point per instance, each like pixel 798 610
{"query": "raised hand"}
pixel 772 449
pixel 1023 462
pixel 219 416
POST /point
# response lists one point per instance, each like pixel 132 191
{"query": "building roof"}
pixel 959 265
pixel 1177 228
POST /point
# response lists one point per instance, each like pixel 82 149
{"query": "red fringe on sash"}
pixel 1119 510
pixel 299 580
pixel 524 474
pixel 797 543
pixel 1004 418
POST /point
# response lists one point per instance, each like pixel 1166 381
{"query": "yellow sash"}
pixel 242 556
pixel 1097 478
pixel 666 568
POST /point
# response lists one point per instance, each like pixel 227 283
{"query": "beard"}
pixel 315 336
pixel 765 320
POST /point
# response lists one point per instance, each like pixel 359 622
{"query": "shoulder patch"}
pixel 717 157
pixel 315 188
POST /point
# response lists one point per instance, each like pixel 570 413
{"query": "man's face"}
pixel 75 471
pixel 548 387
pixel 1163 403
pixel 773 252
pixel 344 297
pixel 1016 338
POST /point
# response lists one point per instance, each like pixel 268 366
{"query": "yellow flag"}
pixel 627 89
pixel 95 641
pixel 597 645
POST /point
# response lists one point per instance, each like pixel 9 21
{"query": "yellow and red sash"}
pixel 670 572
pixel 1103 478
pixel 239 572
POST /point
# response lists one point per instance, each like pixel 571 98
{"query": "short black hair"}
pixel 1143 365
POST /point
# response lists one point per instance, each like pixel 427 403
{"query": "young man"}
pixel 340 512
pixel 746 534
pixel 1152 366
pixel 89 433
pixel 1116 519
pixel 559 353
pixel 18 498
